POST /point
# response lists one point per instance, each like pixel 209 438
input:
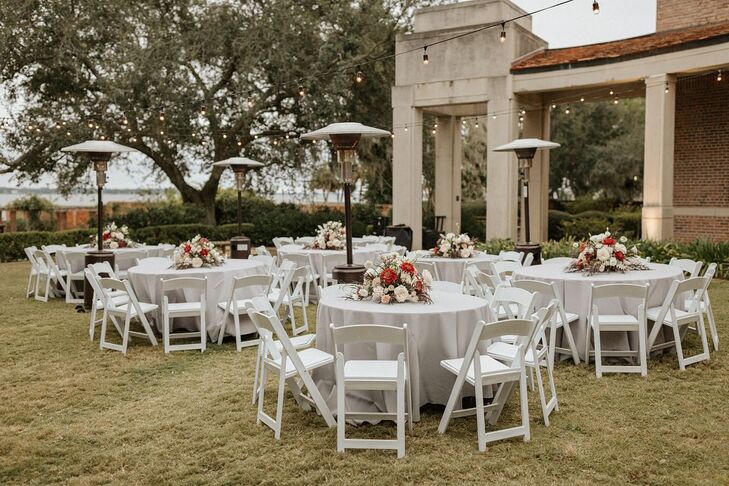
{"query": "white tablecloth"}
pixel 575 288
pixel 359 255
pixel 441 330
pixel 451 269
pixel 75 255
pixel 146 282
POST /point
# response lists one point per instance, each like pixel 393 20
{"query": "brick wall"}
pixel 701 157
pixel 677 14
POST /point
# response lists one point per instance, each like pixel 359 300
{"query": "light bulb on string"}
pixel 406 128
pixel 718 76
pixel 567 110
pixel 125 122
pixel 502 36
pixel 161 117
pixel 225 135
pixel 359 77
pixel 493 117
pixel 240 144
pixel 521 119
pixel 203 110
pixel 91 125
pixel 611 92
pixel 433 131
pixel 392 135
pixel 161 132
pixel 595 7
pixel 425 55
pixel 615 101
pixel 301 91
pixel 476 125
pixel 554 106
pixel 582 100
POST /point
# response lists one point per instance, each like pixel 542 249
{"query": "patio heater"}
pixel 240 246
pixel 100 153
pixel 525 149
pixel 346 137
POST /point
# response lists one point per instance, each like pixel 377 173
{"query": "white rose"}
pixel 197 262
pixel 401 293
pixel 603 254
pixel 621 248
pixel 596 238
pixel 355 296
pixel 623 239
pixel 377 293
pixel 613 261
pixel 113 245
pixel 376 282
pixel 363 292
pixel 465 253
pixel 444 248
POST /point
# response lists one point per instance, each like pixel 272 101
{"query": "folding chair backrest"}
pixel 370 333
pixel 52 248
pixel 262 250
pixel 696 286
pixel 688 266
pixel 299 280
pixel 112 284
pixel 523 329
pixel 304 240
pixel 504 268
pixel 264 326
pixel 505 295
pixel 102 269
pixel 630 291
pixel 528 259
pixel 30 253
pixel 253 281
pixel 42 259
pixel 548 290
pixel 513 256
pixel 421 266
pixel 377 247
pixel 282 240
pixel 94 282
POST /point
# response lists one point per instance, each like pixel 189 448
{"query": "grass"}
pixel 72 413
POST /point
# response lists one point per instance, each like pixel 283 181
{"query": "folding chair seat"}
pixel 132 309
pixel 258 285
pixel 373 375
pixel 291 366
pixel 172 310
pixel 679 320
pixel 598 323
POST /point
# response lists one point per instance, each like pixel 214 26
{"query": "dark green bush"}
pixel 177 233
pixel 627 223
pixel 473 219
pixel 160 214
pixel 12 244
pixel 555 223
pixel 582 204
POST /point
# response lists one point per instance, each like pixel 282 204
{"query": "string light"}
pixel 425 55
pixel 554 106
pixel 203 110
pixel 476 125
pixel 502 37
pixel 161 132
pixel 611 92
pixel 615 101
pixel 125 122
pixel 582 100
pixel 359 77
pixel 493 117
pixel 595 7
pixel 718 76
pixel 240 144
pixel 161 117
pixel 665 90
pixel 567 110
pixel 392 135
pixel 301 91
pixel 225 135
pixel 406 128
pixel 91 125
pixel 433 131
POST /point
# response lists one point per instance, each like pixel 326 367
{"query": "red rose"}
pixel 418 285
pixel 388 276
pixel 106 235
pixel 204 252
pixel 608 241
pixel 619 255
pixel 187 247
pixel 407 267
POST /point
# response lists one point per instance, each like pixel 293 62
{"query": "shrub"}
pixel 555 223
pixel 160 214
pixel 627 223
pixel 587 203
pixel 177 233
pixel 558 248
pixel 495 245
pixel 12 244
pixel 473 219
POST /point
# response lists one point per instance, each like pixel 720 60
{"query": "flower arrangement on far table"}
pixel 197 252
pixel 114 237
pixel 606 253
pixel 451 245
pixel 330 236
pixel 395 279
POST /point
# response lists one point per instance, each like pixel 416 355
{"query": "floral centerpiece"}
pixel 197 252
pixel 606 253
pixel 330 236
pixel 114 237
pixel 395 279
pixel 451 245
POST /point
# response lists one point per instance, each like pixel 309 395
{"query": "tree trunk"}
pixel 209 203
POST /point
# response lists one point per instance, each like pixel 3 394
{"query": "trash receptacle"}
pixel 403 235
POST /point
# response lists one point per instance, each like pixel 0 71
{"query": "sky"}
pixel 567 25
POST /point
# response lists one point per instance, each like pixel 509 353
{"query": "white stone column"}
pixel 660 114
pixel 501 171
pixel 448 159
pixel 536 125
pixel 407 163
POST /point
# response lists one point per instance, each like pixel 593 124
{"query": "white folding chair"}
pixel 124 260
pixel 291 293
pixel 356 374
pixel 163 262
pixel 99 301
pixel 304 260
pixel 512 302
pixel 33 273
pixel 304 240
pixel 528 259
pixel 262 250
pixel 128 311
pixel 504 270
pixel 103 269
pixel 513 256
pixel 282 240
pixel 51 249
pixel 689 267
pixel 537 357
pixel 705 306
pixel 679 320
pixel 561 320
pixel 289 364
pixel 268 262
pixel 422 266
pixel 598 324
pixel 472 269
pixel 481 370
pixel 258 285
pixel 303 341
pixel 48 272
pixel 172 310
pixel 328 262
pixel 70 260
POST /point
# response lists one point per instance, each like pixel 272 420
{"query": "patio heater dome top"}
pixel 526 143
pixel 234 162
pixel 346 128
pixel 98 146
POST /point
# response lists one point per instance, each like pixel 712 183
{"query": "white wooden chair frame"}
pixel 504 269
pixel 328 262
pixel 128 311
pixel 669 316
pixel 705 306
pixel 33 273
pixel 72 296
pixel 595 325
pixel 505 379
pixel 282 240
pixel 311 277
pixel 127 256
pixel 290 293
pixel 512 256
pixel 48 271
pixel 372 333
pixel 470 272
pixel 276 361
pixel 99 302
pixel 235 307
pixel 171 311
pixel 688 266
pixel 431 267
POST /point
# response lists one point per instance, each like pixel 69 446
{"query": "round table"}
pixel 146 281
pixel 75 255
pixel 574 290
pixel 451 269
pixel 359 255
pixel 437 331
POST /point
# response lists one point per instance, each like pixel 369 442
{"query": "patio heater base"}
pixel 240 247
pixel 95 256
pixel 349 273
pixel 534 248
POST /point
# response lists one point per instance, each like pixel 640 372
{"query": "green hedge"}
pixel 177 233
pixel 563 224
pixel 12 244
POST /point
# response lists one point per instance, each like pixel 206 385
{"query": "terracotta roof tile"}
pixel 607 52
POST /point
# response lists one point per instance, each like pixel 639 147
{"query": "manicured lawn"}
pixel 72 413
